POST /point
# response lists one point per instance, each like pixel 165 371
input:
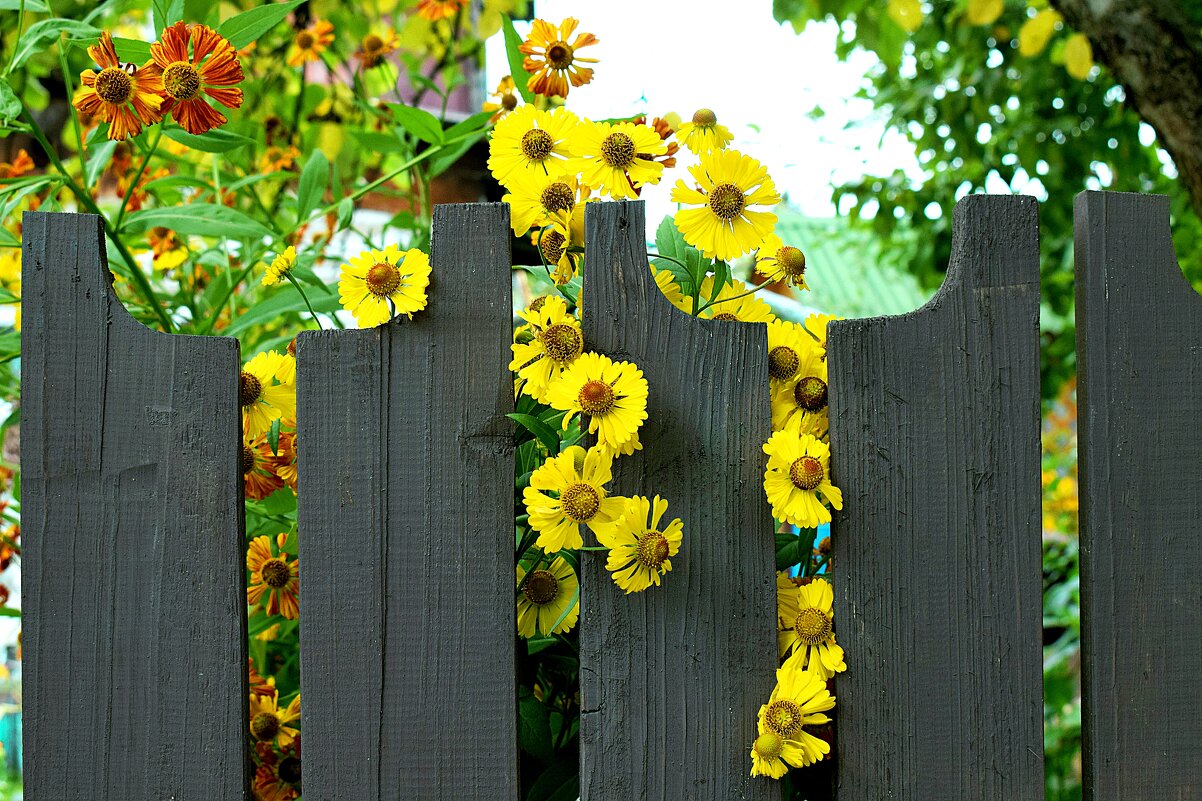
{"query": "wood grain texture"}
pixel 406 537
pixel 935 444
pixel 671 678
pixel 1139 362
pixel 132 526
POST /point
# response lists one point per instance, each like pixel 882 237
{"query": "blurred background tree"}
pixel 1005 95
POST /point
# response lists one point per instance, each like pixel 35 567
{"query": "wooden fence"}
pixel 132 521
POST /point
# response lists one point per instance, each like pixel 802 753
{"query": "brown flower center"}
pixel 289 770
pixel 813 626
pixel 768 746
pixel 305 40
pixel 783 717
pixel 541 588
pixel 806 473
pixel 703 116
pixel 562 342
pixel 580 502
pixel 552 246
pixel 652 550
pixel 792 261
pixel 726 316
pixel 181 80
pixel 509 101
pixel 372 44
pixel 249 388
pixel 558 197
pixel 783 363
pixel 114 85
pixel 810 393
pixel 248 459
pixel 559 55
pixel 727 201
pixel 537 144
pixel 265 726
pixel 596 397
pixel 618 150
pixel 276 573
pixel 537 303
pixel 382 279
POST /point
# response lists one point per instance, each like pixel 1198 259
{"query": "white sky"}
pixel 734 58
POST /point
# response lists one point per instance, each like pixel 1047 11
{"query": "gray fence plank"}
pixel 1139 347
pixel 132 526
pixel 671 678
pixel 406 515
pixel 935 442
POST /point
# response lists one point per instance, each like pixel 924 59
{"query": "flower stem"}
pixel 305 298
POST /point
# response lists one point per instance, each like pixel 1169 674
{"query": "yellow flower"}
pixel 268 721
pixel 817 324
pixel 780 262
pixel 578 479
pixel 125 96
pixel 279 158
pixel 666 282
pixel 555 344
pixel 380 284
pixel 552 60
pixel 507 99
pixel 800 404
pixel 1035 33
pixel 530 139
pixel 799 468
pixel 639 551
pixel 806 629
pixel 907 14
pixel 374 47
pixel 704 133
pixel 984 12
pixel 732 303
pixel 550 601
pixel 797 700
pixel 274 576
pixel 613 395
pixel 1078 56
pixel 556 250
pixel 616 158
pixel 767 754
pixel 280 266
pixel 263 399
pixel 434 10
pixel 789 346
pixel 539 199
pixel 723 226
pixel 310 43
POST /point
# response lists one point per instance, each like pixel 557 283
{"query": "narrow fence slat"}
pixel 935 442
pixel 134 591
pixel 406 537
pixel 1139 362
pixel 671 678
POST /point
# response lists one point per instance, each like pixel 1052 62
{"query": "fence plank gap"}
pixel 671 678
pixel 406 537
pixel 935 444
pixel 132 525
pixel 1139 351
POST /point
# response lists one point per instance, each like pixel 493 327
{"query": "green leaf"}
pixel 788 551
pixel 6 611
pixel 31 6
pixel 560 782
pixel 346 208
pixel 217 140
pixel 10 104
pixel 534 728
pixel 422 124
pixel 165 14
pixel 248 26
pixel 447 159
pixel 546 435
pixel 516 71
pixel 670 242
pixel 312 187
pixel 377 142
pixel 476 122
pixel 100 156
pixel 273 436
pixel 202 219
pixel 41 34
pixel 132 50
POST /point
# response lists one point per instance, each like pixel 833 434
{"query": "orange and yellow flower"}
pixel 273 576
pixel 125 96
pixel 21 164
pixel 435 10
pixel 212 69
pixel 309 43
pixel 268 722
pixel 504 100
pixel 374 47
pixel 552 60
pixel 258 468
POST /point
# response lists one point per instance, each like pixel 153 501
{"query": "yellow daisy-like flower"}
pixel 666 281
pixel 380 284
pixel 280 266
pixel 549 603
pixel 639 551
pixel 552 60
pixel 798 699
pixel 279 158
pixel 732 303
pixel 530 140
pixel 800 404
pixel 807 631
pixel 268 721
pixel 615 158
pixel 816 325
pixel 789 347
pixel 375 47
pixel 556 251
pixel 798 473
pixel 556 342
pixel 504 100
pixel 265 392
pixel 435 10
pixel 124 96
pixel 273 576
pixel 540 199
pixel 704 133
pixel 613 395
pixel 578 479
pixel 780 262
pixel 310 43
pixel 723 225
